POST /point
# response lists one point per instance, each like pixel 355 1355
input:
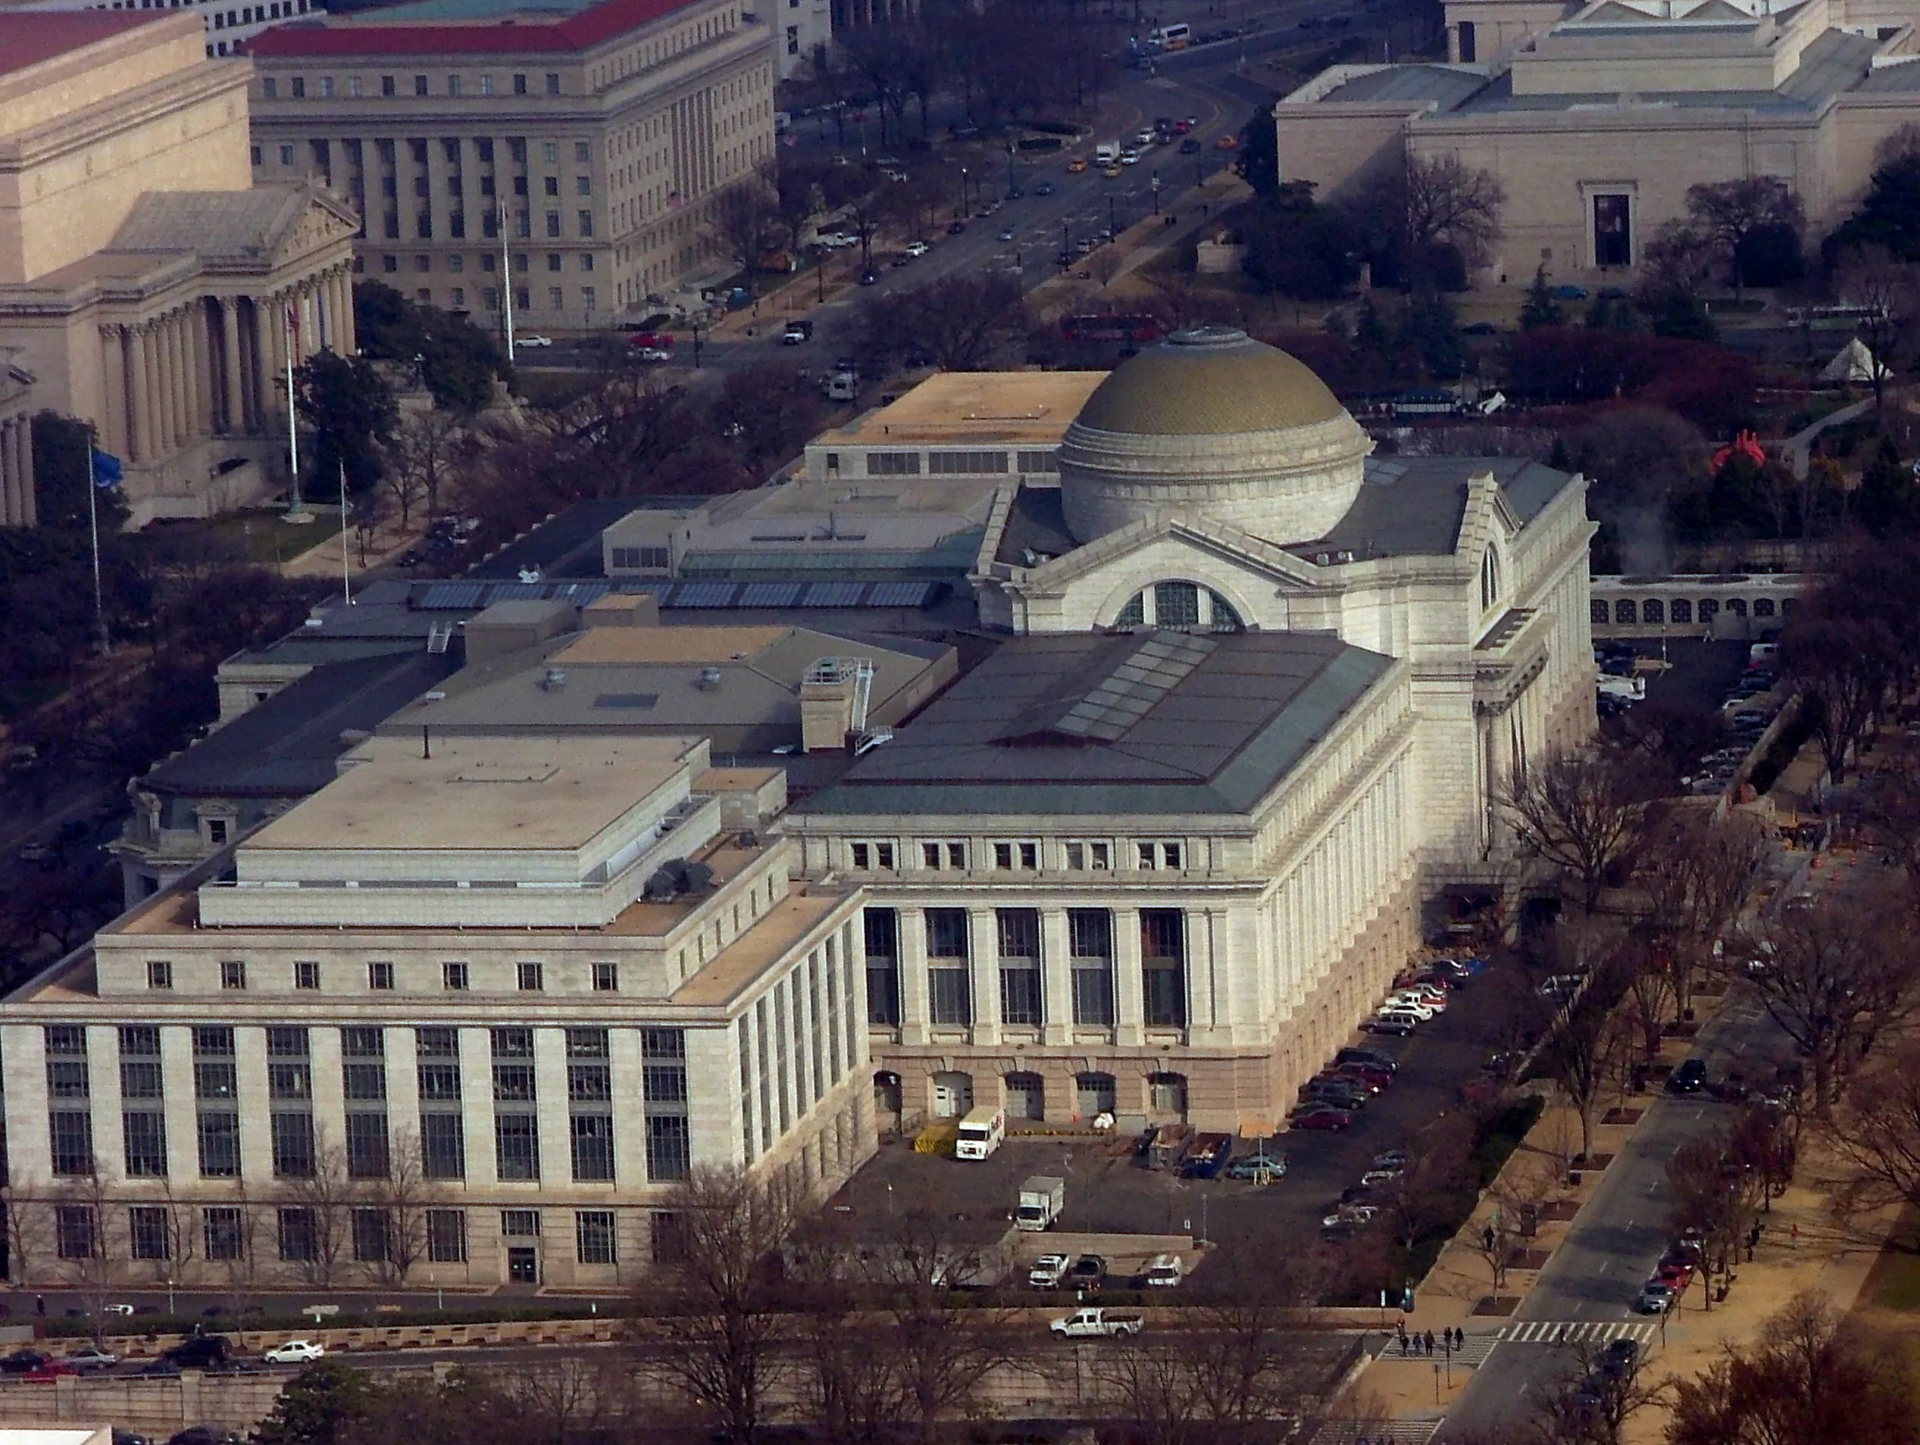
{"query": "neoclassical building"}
pixel 145 282
pixel 1162 851
pixel 18 507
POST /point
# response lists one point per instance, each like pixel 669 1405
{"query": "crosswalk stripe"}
pixel 1574 1332
pixel 1394 1432
pixel 1471 1351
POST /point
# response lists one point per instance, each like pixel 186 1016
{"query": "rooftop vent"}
pixel 708 679
pixel 677 877
pixel 555 680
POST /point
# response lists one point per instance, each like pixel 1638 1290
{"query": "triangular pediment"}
pixel 315 226
pixel 1214 540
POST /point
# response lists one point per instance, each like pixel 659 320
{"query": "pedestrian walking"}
pixel 40 1305
pixel 1429 1344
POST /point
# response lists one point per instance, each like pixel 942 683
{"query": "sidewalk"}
pixel 324 559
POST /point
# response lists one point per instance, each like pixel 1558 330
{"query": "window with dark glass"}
pixel 446 1236
pixel 663 1072
pixel 147 1232
pixel 593 1236
pixel 299 1239
pixel 1090 960
pixel 882 930
pixel 1163 967
pixel 949 999
pixel 1020 990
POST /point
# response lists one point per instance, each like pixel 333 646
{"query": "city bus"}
pixel 1171 37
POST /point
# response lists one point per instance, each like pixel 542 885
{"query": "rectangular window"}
pixel 298 1238
pixel 553 85
pixel 70 1134
pixel 292 1145
pixel 893 464
pixel 147 1232
pixel 299 87
pixel 443 1146
pixel 367 1146
pixel 1092 857
pixel 1016 855
pixel 965 463
pixel 593 1235
pixel 76 1231
pixel 380 977
pixel 219 1145
pixel 519 88
pixel 592 1144
pixel 233 973
pixel 520 1223
pixel 1090 960
pixel 666 1239
pixel 224 1231
pixel 1038 462
pixel 663 1058
pixel 145 1133
pixel 669 1150
pixel 606 978
pixel 453 976
pixel 532 977
pixel 388 87
pixel 446 1236
pixel 1612 230
pixel 882 927
pixel 1155 856
pixel 1163 966
pixel 584 221
pixel 1020 994
pixel 159 973
pixel 871 855
pixel 306 974
pixel 516 1146
pixel 419 85
pixel 372 1236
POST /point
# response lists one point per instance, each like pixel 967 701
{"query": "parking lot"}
pixel 1109 1194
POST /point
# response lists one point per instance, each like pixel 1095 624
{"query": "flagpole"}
pixel 346 561
pixel 93 525
pixel 290 335
pixel 506 279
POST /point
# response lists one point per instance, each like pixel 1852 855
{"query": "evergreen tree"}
pixel 351 410
pixel 319 1406
pixel 1540 310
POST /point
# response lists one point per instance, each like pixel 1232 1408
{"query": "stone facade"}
pixel 600 140
pixel 142 282
pixel 337 1093
pixel 18 505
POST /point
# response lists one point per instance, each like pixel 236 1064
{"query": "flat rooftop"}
pixel 975 406
pixel 478 794
pixel 746 959
pixel 1150 723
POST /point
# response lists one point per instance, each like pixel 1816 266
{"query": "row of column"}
pixel 181 376
pixel 17 505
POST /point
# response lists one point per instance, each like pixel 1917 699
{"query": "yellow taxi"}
pixel 1112 173
pixel 1077 164
pixel 1227 143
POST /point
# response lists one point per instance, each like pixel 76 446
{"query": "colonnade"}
pixel 17 505
pixel 211 365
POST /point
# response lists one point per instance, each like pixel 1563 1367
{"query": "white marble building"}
pixel 440 1022
pixel 1213 494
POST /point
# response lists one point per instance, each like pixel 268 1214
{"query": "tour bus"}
pixel 1171 37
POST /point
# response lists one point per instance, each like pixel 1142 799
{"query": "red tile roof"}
pixel 581 31
pixel 28 40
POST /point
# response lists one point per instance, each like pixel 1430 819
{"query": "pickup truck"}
pixel 1097 1324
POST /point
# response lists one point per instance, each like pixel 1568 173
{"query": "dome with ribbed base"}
pixel 1211 424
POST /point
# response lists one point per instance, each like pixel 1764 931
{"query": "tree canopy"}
pixel 458 361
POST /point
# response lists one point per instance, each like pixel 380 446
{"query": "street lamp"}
pixel 962 212
pixel 1154 186
pixel 1113 224
pixel 1066 244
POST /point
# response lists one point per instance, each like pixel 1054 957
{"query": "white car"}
pixel 1129 158
pixel 1047 1271
pixel 294 1352
pixel 1412 1003
pixel 1351 1214
pixel 915 248
pixel 532 341
pixel 836 240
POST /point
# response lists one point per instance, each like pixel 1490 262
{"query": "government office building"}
pixel 460 1019
pixel 600 136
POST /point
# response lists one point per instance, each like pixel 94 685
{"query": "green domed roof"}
pixel 1213 381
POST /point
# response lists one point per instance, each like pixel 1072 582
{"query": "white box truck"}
pixel 980 1133
pixel 1106 153
pixel 1042 1197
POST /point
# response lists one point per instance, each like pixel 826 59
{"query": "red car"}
pixel 1675 1276
pixel 1346 1076
pixel 1321 1116
pixel 45 1374
pixel 1375 1079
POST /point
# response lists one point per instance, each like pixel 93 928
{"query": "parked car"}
pixel 519 341
pixel 1655 1298
pixel 1618 1357
pixel 1374 1178
pixel 1097 1324
pixel 1372 1058
pixel 1320 1116
pixel 92 1357
pixel 1374 1077
pixel 295 1352
pixel 1389 1159
pixel 1263 1162
pixel 1163 1271
pixel 196 1352
pixel 1006 234
pixel 20 1361
pixel 1047 1271
pixel 47 1373
pixel 1088 1271
pixel 1349 1214
pixel 796 332
pixel 1227 142
pixel 1360 1083
pixel 1392 1021
pixel 1569 293
pixel 956 228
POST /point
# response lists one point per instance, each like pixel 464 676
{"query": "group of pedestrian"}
pixel 1422 1344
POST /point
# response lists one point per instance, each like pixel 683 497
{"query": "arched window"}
pixel 1489 580
pixel 1786 605
pixel 1623 610
pixel 1094 1094
pixel 1737 606
pixel 1598 613
pixel 1652 611
pixel 1167 1094
pixel 1186 606
pixel 1682 610
pixel 1763 607
pixel 1708 609
pixel 1026 1096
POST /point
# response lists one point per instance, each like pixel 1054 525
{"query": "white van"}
pixel 1163 1271
pixel 980 1133
pixel 1106 153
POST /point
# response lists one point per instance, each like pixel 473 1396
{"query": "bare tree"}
pixel 1698 872
pixel 1423 204
pixel 1839 974
pixel 1582 1055
pixel 1580 812
pixel 92 1255
pixel 28 1221
pixel 1649 997
pixel 404 1196
pixel 1883 287
pixel 1814 1376
pixel 1843 665
pixel 324 1198
pixel 1591 1403
pixel 1876 1129
pixel 720 1322
pixel 1731 215
pixel 1428 1192
pixel 421 457
pixel 1713 1193
pixel 851 1391
pixel 743 218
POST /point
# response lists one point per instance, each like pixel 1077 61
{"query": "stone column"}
pixel 115 415
pixel 915 1013
pixel 29 498
pixel 199 372
pixel 1056 978
pixel 349 333
pixel 160 388
pixel 140 398
pixel 1129 988
pixel 235 420
pixel 9 481
pixel 176 357
pixel 983 983
pixel 267 326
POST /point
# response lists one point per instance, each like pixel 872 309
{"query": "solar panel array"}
pixel 706 595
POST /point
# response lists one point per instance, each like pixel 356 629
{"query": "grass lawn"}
pixel 258 535
pixel 1895 1282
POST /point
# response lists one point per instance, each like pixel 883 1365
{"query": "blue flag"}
pixel 107 472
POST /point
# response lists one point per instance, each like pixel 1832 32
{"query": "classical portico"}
pixel 195 311
pixel 18 507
